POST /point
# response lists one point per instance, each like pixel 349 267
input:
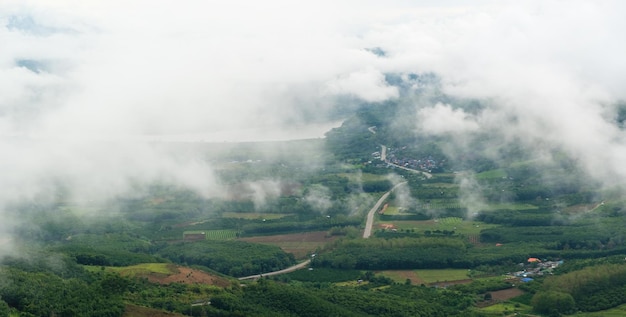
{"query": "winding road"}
pixel 283 271
pixel 370 215
pixel 366 234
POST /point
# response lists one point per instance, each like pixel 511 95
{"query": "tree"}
pixel 549 302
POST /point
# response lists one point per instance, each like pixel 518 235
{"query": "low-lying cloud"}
pixel 78 80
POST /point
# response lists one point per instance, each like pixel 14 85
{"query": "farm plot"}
pixel 455 224
pixel 214 234
pixel 417 277
pixel 447 275
pixel 400 276
pixel 299 244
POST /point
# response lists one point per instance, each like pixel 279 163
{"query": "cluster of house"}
pixel 427 164
pixel 535 267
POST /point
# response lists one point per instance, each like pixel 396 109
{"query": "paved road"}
pixel 283 271
pixel 370 215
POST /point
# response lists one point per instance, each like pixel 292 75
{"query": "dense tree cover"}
pixel 283 226
pixel 114 249
pixel 600 234
pixel 267 298
pixel 323 275
pixel 593 288
pixel 553 303
pixel 399 253
pixel 235 258
pixel 45 294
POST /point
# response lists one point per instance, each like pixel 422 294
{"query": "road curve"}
pixel 283 271
pixel 370 215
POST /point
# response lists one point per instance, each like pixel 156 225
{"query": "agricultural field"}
pixel 392 211
pixel 301 245
pixel 441 204
pixel 418 277
pixel 400 276
pixel 215 234
pixel 139 269
pixel 446 275
pixel 253 215
pixel 507 309
pixel 491 174
pixel 510 206
pixel 455 224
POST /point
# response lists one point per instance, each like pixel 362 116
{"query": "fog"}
pixel 84 84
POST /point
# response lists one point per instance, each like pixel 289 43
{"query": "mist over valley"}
pixel 358 158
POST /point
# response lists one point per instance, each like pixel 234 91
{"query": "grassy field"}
pixel 390 210
pixel 253 215
pixel 433 276
pixel 507 309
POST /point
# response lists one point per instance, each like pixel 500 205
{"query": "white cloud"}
pixel 443 119
pixel 120 70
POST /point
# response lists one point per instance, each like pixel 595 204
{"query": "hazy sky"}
pixel 73 71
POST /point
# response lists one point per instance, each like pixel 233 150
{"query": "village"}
pixel 396 157
pixel 535 267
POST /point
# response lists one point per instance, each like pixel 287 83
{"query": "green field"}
pixel 395 211
pixel 508 309
pixel 433 276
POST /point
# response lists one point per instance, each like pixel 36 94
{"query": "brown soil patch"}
pixel 188 275
pixel 506 294
pixel 139 311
